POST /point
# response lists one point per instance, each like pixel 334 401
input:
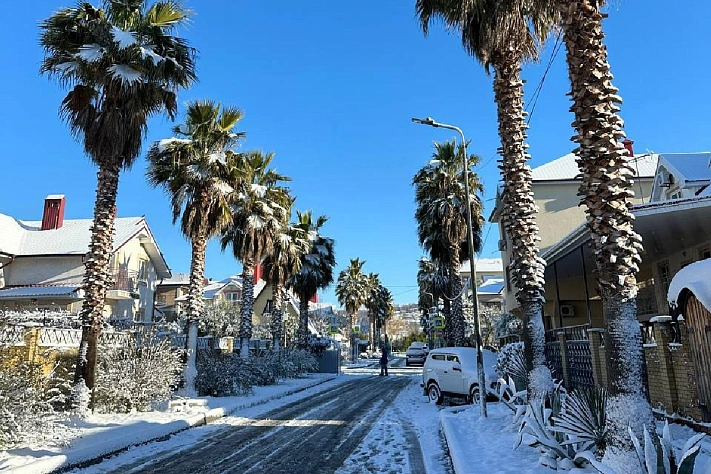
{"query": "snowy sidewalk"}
pixel 101 435
pixel 479 445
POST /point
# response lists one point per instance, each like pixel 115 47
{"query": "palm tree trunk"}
pixel 519 217
pixel 97 279
pixel 245 320
pixel 277 318
pixel 448 321
pixel 606 189
pixel 195 309
pixel 455 285
pixel 302 334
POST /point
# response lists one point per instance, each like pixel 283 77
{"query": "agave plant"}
pixel 582 420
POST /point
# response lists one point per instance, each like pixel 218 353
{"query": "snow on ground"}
pixel 104 433
pixel 474 444
pixel 392 445
pixel 479 444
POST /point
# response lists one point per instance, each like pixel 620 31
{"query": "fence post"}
pixel 32 339
pixel 660 368
pixel 598 357
pixel 564 358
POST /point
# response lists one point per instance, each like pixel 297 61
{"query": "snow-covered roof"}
pixel 565 168
pixel 492 286
pixel 690 166
pixel 214 287
pixel 25 238
pixel 694 277
pixel 177 279
pixel 484 265
pixel 39 292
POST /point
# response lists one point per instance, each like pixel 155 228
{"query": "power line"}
pixel 537 92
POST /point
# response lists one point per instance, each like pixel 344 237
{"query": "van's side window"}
pixel 438 356
pixel 452 358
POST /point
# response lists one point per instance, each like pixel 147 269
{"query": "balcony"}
pixel 125 286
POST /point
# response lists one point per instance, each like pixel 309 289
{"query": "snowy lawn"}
pixel 98 434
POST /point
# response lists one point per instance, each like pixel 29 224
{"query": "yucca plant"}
pixel 582 420
pixel 655 456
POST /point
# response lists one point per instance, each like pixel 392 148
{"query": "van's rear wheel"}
pixel 474 395
pixel 434 393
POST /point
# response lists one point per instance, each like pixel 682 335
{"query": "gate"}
pixel 698 321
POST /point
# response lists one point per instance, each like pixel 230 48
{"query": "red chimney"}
pixel 53 215
pixel 258 272
pixel 314 298
pixel 628 144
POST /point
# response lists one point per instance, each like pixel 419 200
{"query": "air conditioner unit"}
pixel 502 245
pixel 567 310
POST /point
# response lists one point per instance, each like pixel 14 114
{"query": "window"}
pixel 452 358
pixel 143 270
pixel 704 252
pixel 438 356
pixel 664 277
pixel 232 297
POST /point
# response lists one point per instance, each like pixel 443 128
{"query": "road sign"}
pixel 438 322
pixel 333 329
pixel 356 329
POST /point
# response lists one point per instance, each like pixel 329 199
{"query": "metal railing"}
pixel 12 336
pixel 125 280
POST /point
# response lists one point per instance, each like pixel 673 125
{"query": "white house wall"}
pixel 62 270
pixel 131 254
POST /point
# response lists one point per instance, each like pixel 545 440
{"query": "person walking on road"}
pixel 384 361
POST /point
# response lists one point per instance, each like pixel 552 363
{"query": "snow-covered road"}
pixel 323 432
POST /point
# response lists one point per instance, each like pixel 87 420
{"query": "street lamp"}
pixel 472 266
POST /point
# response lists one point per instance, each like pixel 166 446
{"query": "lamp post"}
pixel 472 266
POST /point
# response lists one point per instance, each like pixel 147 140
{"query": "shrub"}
pixel 224 375
pixel 137 377
pixel 26 399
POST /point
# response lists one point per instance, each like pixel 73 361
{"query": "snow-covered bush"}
pixel 137 377
pixel 223 375
pixel 507 324
pixel 26 405
pixel 49 318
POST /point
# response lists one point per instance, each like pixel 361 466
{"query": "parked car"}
pixel 452 371
pixel 416 353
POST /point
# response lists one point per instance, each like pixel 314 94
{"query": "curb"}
pixel 64 462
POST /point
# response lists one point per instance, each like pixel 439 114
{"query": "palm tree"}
pixel 260 212
pixel 606 189
pixel 502 35
pixel 372 287
pixel 197 170
pixel 441 225
pixel 384 313
pixel 352 293
pixel 279 266
pixel 316 270
pixel 123 63
pixel 432 284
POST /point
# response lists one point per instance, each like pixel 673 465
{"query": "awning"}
pixel 42 292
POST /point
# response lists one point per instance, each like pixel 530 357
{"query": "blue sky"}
pixel 330 87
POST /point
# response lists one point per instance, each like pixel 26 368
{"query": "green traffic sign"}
pixel 438 323
pixel 356 329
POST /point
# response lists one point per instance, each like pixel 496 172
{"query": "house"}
pixel 42 263
pixel 555 191
pixel 168 295
pixel 681 175
pixel 674 222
